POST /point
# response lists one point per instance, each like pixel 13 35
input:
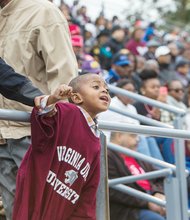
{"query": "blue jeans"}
pixel 149 147
pixel 146 214
pixel 165 145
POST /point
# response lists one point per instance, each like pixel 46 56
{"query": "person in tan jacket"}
pixel 35 41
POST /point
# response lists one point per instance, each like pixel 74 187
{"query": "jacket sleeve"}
pixel 54 45
pixel 115 168
pixel 157 183
pixel 15 86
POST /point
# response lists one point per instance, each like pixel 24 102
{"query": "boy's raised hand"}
pixel 45 103
pixel 61 93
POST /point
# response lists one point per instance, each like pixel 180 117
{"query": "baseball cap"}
pixel 120 60
pixel 91 66
pixel 90 28
pixel 153 43
pixel 77 41
pixel 181 62
pixel 162 51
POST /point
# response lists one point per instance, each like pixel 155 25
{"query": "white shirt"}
pixel 116 117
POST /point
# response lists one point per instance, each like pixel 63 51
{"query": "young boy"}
pixel 59 175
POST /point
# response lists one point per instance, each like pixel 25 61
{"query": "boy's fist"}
pixel 62 92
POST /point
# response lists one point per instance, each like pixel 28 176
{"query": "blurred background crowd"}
pixel 135 51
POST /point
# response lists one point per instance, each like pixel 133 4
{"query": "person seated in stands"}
pixel 166 73
pixel 150 88
pixel 146 145
pixel 174 98
pixel 114 44
pixel 120 68
pixel 124 206
pixel 182 68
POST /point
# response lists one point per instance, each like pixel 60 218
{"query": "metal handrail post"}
pixel 102 201
pixel 180 170
pixel 173 204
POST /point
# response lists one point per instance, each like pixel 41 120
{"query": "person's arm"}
pixel 15 86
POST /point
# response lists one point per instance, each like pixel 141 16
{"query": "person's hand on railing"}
pixel 156 208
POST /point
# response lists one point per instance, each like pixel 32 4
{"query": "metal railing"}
pixel 140 98
pixel 179 143
pixel 171 181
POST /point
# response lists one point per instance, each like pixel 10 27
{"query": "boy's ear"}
pixel 76 98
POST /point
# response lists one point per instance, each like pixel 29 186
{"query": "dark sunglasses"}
pixel 177 90
pixel 124 66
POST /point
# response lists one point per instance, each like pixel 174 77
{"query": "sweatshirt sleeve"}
pixel 15 86
pixel 43 129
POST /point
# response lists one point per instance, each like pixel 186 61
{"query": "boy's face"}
pixel 94 95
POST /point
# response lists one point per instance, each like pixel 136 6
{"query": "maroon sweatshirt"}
pixel 59 175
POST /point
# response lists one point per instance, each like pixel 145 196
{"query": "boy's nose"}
pixel 105 91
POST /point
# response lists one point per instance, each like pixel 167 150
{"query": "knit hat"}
pixel 91 66
pixel 77 41
pixel 74 29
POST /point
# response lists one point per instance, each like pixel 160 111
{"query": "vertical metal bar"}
pixel 180 170
pixel 173 208
pixel 102 203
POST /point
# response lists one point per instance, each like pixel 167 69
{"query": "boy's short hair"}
pixel 76 83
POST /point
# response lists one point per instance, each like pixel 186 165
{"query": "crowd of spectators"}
pixel 143 59
pixel 138 58
pixel 154 61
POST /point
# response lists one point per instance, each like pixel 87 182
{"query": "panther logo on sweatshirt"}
pixel 71 176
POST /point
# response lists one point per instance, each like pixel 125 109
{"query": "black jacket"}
pixel 15 86
pixel 124 206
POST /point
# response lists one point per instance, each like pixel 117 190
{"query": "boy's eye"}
pixel 96 87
